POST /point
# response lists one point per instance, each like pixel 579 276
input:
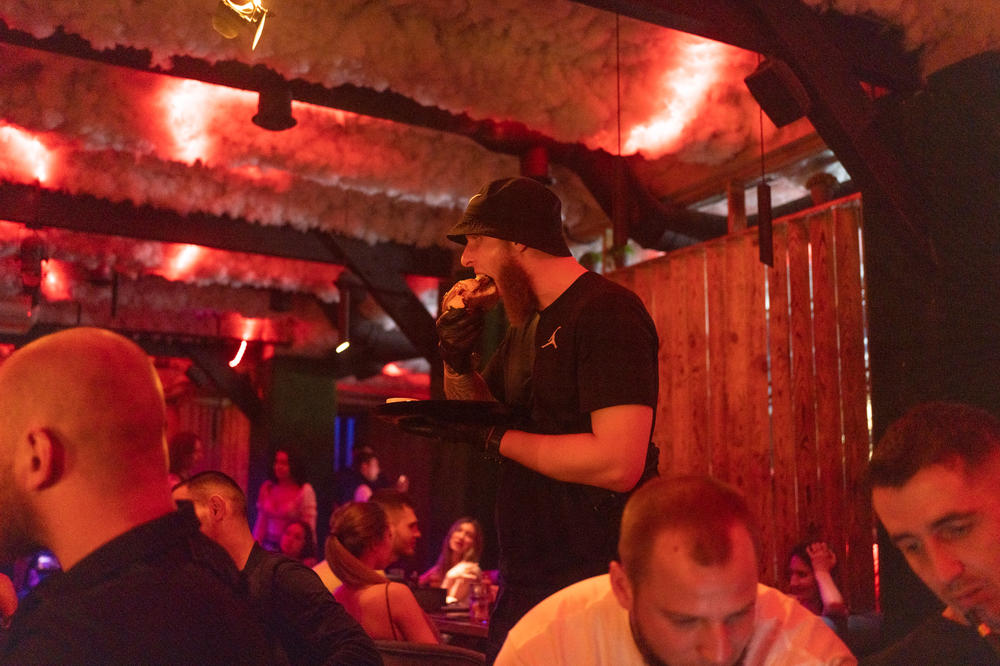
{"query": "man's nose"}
pixel 716 646
pixel 466 257
pixel 944 566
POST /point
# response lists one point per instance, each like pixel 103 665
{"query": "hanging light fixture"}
pixel 274 108
pixel 231 15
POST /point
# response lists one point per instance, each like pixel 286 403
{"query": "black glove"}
pixel 483 437
pixel 458 332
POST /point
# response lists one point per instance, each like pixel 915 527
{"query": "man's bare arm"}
pixel 612 456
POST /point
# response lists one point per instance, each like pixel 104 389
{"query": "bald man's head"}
pixel 96 394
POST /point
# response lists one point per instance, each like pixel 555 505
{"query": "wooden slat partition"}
pixel 763 380
pixel 224 432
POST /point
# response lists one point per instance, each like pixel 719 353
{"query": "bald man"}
pixel 83 472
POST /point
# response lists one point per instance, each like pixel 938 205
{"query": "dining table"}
pixel 457 628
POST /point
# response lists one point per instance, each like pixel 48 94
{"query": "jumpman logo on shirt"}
pixel 552 340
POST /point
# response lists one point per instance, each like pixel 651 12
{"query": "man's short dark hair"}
pixel 203 484
pixel 706 509
pixel 933 433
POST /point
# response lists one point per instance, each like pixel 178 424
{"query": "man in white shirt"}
pixel 684 592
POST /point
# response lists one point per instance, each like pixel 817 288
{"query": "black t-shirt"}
pixel 595 346
pixel 938 642
pixel 162 593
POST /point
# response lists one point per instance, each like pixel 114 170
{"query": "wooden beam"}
pixel 873 48
pixel 844 115
pixel 39 207
pixel 390 291
pixel 205 352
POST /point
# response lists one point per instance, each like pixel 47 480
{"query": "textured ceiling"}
pixel 529 72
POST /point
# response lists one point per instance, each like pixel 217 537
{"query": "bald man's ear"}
pixel 41 459
pixel 621 586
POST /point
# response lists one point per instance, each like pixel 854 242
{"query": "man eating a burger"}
pixel 580 358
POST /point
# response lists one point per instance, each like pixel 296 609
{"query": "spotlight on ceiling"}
pixel 231 15
pixel 274 109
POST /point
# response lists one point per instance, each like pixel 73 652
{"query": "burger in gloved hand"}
pixel 461 323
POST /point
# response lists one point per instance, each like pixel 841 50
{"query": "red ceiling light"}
pixel 56 283
pixel 183 262
pixel 392 370
pixel 24 156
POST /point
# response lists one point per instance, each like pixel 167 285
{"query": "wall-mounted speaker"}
pixel 778 91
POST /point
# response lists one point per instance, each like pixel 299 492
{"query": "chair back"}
pixel 403 653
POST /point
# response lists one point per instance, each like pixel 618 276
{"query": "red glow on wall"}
pixel 56 284
pixel 182 262
pixel 685 88
pixel 252 328
pixel 24 157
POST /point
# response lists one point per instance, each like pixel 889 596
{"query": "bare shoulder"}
pixel 400 591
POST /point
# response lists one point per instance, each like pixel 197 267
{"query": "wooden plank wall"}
pixel 224 432
pixel 763 380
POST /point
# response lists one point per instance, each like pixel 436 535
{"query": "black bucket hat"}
pixel 519 209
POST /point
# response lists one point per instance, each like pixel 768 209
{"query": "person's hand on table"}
pixel 483 437
pixel 459 330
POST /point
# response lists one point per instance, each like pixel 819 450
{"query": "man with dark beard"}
pixel 580 359
pixel 83 473
pixel 684 593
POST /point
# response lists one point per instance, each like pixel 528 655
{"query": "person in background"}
pixel 580 360
pixel 357 482
pixel 403 523
pixel 83 473
pixel 185 452
pixel 312 627
pixel 935 482
pixel 363 477
pixel 297 543
pixel 684 591
pixel 282 499
pixel 360 543
pixel 810 567
pixel 457 566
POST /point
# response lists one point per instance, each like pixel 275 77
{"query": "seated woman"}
pixel 297 543
pixel 359 543
pixel 811 570
pixel 810 581
pixel 457 567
